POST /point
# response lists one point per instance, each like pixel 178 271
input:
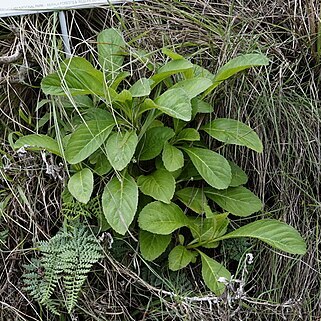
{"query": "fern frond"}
pixel 82 251
pixel 68 256
pixel 37 286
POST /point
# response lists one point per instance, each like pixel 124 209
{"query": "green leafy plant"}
pixel 66 258
pixel 146 142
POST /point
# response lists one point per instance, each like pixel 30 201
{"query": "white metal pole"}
pixel 64 33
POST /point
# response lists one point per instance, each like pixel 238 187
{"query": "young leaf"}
pixel 160 218
pixel 236 200
pixel 188 134
pixel 87 138
pixel 193 198
pixel 120 148
pixel 208 229
pixel 175 103
pixel 213 167
pixel 152 245
pixel 231 131
pixel 111 46
pixel 171 68
pixel 193 87
pixel 275 233
pixel 119 201
pixel 140 88
pixel 173 158
pixel 81 185
pixel 37 141
pixel 179 257
pixel 238 175
pixel 76 76
pixel 212 272
pixel 152 143
pixel 160 185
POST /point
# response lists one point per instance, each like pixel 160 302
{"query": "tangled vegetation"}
pixel 117 197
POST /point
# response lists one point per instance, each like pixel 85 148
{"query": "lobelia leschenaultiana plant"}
pixel 145 142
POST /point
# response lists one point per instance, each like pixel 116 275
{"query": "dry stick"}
pixel 5 60
pixel 185 300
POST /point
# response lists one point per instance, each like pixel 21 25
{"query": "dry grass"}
pixel 281 101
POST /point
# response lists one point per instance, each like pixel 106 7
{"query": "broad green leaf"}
pixel 152 245
pixel 160 165
pixel 179 257
pixel 80 102
pixel 188 134
pixel 119 201
pixel 231 131
pixel 200 106
pixel 97 114
pixel 87 138
pixel 160 185
pixel 81 185
pixel 160 218
pixel 238 64
pixel 76 76
pixel 199 71
pixel 238 175
pixel 175 103
pixel 171 68
pixel 193 198
pixel 275 233
pixel 213 167
pixel 111 46
pixel 120 148
pixel 213 274
pixel 38 141
pixel 173 158
pixel 236 200
pixel 153 141
pixel 140 88
pixel 102 165
pixel 193 87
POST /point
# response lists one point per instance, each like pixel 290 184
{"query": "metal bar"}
pixel 64 33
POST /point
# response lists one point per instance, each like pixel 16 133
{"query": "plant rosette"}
pixel 143 140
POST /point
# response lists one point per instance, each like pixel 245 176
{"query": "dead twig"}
pixel 5 60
